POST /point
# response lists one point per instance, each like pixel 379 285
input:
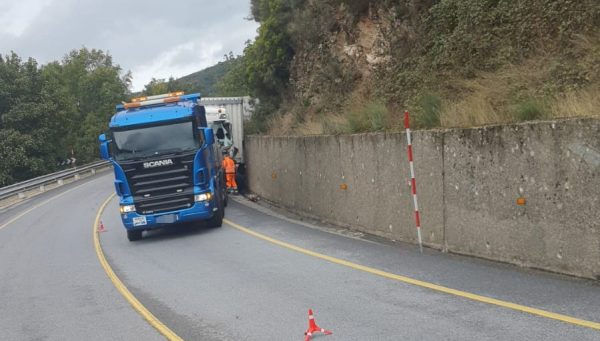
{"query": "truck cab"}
pixel 166 163
pixel 218 120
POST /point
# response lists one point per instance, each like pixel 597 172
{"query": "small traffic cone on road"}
pixel 101 227
pixel 313 328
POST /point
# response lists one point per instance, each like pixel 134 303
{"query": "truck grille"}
pixel 159 186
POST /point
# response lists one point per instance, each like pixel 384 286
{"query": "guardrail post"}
pixel 93 171
pixel 42 188
pixel 21 195
pixel 60 182
pixel 76 177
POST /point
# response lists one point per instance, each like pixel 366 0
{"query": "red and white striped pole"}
pixel 413 180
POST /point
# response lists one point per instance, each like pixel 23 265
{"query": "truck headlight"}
pixel 126 208
pixel 202 197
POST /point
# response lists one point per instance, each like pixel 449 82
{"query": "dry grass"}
pixel 497 97
pixel 281 125
pixel 475 110
pixel 484 99
pixel 584 103
pixel 312 124
pixel 478 108
pixel 546 86
pixel 310 127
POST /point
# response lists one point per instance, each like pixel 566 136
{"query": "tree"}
pixel 94 85
pixel 264 69
pixel 30 122
pixel 56 111
pixel 234 82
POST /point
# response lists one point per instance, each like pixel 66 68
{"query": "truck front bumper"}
pixel 200 211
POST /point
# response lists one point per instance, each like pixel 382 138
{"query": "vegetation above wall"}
pixel 338 66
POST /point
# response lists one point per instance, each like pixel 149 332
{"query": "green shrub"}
pixel 529 110
pixel 370 117
pixel 357 7
pixel 431 108
pixel 264 112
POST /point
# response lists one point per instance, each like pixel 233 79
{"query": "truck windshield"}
pixel 222 134
pixel 156 140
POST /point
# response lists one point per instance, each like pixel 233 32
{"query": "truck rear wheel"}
pixel 240 178
pixel 134 235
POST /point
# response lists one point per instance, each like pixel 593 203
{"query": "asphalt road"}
pixel 52 286
pixel 224 284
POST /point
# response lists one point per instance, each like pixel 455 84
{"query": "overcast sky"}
pixel 152 38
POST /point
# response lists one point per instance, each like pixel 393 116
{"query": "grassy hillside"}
pixel 337 66
pixel 205 81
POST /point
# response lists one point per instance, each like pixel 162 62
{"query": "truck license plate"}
pixel 166 219
pixel 139 221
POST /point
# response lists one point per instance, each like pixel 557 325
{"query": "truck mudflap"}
pixel 200 211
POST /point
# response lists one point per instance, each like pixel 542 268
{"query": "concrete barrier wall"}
pixel 468 183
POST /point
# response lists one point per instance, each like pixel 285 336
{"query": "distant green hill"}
pixel 205 81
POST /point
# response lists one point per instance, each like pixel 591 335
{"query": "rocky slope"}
pixel 357 64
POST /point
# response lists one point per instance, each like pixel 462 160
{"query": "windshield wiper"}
pixel 174 151
pixel 130 155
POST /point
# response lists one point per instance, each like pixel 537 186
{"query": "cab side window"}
pixel 220 134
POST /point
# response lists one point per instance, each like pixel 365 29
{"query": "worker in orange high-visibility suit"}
pixel 229 167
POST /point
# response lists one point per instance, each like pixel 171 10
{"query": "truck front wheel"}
pixel 224 191
pixel 134 235
pixel 217 218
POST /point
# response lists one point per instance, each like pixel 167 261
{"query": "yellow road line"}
pixel 146 314
pixel 439 288
pixel 39 205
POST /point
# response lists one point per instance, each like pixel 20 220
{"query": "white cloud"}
pixel 16 16
pixel 152 38
pixel 177 61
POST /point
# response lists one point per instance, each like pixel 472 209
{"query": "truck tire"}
pixel 240 178
pixel 217 218
pixel 224 191
pixel 134 235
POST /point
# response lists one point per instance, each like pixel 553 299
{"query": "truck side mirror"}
pixel 104 146
pixel 209 136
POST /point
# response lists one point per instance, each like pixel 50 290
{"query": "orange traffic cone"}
pixel 313 328
pixel 101 227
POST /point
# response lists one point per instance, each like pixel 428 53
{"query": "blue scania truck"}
pixel 167 165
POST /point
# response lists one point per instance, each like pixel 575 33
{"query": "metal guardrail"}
pixel 43 180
